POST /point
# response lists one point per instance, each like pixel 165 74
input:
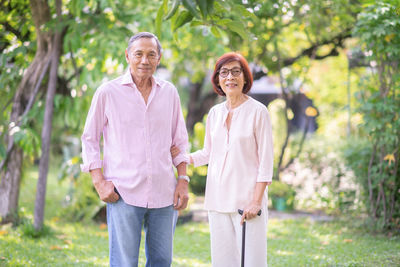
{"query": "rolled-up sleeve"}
pixel 263 133
pixel 95 121
pixel 202 157
pixel 179 133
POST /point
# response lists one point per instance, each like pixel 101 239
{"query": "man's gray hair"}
pixel 145 35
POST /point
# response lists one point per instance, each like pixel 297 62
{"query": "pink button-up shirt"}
pixel 136 140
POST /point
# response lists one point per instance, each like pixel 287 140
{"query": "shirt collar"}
pixel 127 79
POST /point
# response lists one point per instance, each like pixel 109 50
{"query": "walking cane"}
pixel 244 234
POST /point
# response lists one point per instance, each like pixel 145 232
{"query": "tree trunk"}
pixel 198 105
pixel 288 125
pixel 9 187
pixel 46 130
pixel 11 174
pixel 370 189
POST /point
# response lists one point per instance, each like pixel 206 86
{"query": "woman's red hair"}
pixel 227 58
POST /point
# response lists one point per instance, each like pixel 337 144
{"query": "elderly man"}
pixel 140 118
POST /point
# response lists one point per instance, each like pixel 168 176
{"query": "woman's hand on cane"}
pixel 250 212
pixel 254 208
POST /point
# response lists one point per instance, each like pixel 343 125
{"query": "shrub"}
pixel 377 161
pixel 321 178
pixel 197 175
pixel 82 202
pixel 282 190
pixel 28 229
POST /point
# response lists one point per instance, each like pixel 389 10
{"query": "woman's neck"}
pixel 234 101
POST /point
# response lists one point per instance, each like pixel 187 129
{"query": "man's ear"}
pixel 126 55
pixel 159 60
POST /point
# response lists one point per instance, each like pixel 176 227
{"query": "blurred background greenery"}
pixel 334 66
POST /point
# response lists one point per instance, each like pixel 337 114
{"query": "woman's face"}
pixel 231 78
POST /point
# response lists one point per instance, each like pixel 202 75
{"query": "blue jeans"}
pixel 125 228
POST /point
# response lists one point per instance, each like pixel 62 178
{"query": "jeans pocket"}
pixel 116 191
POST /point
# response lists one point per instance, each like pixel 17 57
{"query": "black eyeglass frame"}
pixel 230 71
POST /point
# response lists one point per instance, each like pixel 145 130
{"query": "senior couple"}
pixel 140 120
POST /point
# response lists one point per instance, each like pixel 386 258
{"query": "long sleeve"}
pixel 95 122
pixel 263 133
pixel 201 157
pixel 130 139
pixel 179 133
pixel 239 157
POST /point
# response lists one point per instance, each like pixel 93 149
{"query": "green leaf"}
pixel 183 18
pixel 203 7
pixel 237 27
pixel 165 6
pixel 174 8
pixel 195 23
pixel 2 151
pixel 76 8
pixel 224 22
pixel 210 6
pixel 175 37
pixel 244 12
pixel 191 6
pixel 367 3
pixel 215 31
pixel 109 2
pixel 219 9
pixel 160 14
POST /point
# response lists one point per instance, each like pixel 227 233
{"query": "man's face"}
pixel 143 57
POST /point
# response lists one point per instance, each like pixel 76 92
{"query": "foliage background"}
pixel 310 41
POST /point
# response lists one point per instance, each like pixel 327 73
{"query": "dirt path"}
pixel 200 215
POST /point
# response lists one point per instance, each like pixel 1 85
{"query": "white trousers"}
pixel 226 240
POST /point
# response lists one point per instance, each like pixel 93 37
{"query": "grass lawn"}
pixel 306 243
pixel 290 242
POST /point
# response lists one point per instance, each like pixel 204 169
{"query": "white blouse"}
pixel 238 158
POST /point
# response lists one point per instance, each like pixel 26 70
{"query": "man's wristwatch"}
pixel 184 177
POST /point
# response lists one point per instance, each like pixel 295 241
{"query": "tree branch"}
pixel 77 70
pixel 337 41
pixel 286 99
pixel 303 138
pixel 370 190
pixel 11 29
pixel 27 109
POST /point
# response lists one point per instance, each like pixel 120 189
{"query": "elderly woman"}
pixel 239 153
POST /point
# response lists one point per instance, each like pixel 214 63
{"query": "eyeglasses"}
pixel 225 72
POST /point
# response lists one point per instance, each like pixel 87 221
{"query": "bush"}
pixel 199 174
pixel 321 178
pixel 279 190
pixel 82 202
pixel 377 161
pixel 376 172
pixel 28 229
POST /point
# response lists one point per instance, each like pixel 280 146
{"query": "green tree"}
pixel 280 37
pixel 89 30
pixel 23 100
pixel 94 36
pixel 378 28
